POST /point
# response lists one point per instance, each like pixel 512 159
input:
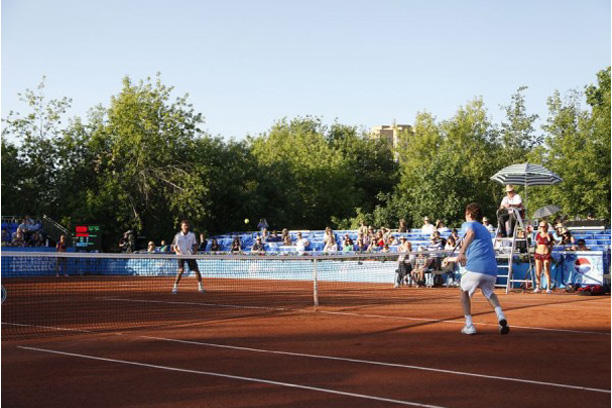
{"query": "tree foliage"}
pixel 143 162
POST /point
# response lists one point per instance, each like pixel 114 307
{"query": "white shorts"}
pixel 470 281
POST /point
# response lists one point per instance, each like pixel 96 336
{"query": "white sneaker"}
pixel 202 290
pixel 536 290
pixel 396 285
pixel 548 291
pixel 469 329
pixel 174 291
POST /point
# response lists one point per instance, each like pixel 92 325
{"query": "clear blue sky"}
pixel 247 63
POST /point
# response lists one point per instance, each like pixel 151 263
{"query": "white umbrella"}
pixel 526 174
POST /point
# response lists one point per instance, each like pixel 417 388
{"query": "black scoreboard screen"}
pixel 88 238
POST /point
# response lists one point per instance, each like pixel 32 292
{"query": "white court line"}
pixel 234 377
pixel 378 363
pixel 375 316
pixel 48 327
pixel 352 360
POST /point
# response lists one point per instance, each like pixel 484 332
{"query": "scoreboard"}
pixel 88 238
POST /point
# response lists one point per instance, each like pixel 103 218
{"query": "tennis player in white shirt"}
pixel 186 243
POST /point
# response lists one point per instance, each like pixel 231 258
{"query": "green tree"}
pixel 145 147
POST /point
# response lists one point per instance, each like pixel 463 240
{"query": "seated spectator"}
pixel 361 245
pixel 392 241
pixel 164 248
pixel 455 235
pixel 348 245
pixel 564 236
pixel 487 224
pixel 18 238
pixel 405 262
pixel 590 217
pixel 151 248
pixel 329 236
pixel 286 237
pixel 274 237
pixel 301 244
pixel 6 238
pixel 214 245
pixel 330 243
pixel 203 243
pixel 427 229
pixel 402 226
pixel 385 248
pixel 36 239
pixel 581 245
pixel 450 244
pixel 258 247
pixel 236 245
pixel 379 239
pixel 264 235
pixel 440 227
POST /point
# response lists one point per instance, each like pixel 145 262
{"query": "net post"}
pixel 315 287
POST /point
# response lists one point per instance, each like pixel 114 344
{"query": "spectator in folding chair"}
pixel 422 266
pixel 214 245
pixel 347 245
pixel 258 247
pixel 301 244
pixel 236 245
pixel 361 245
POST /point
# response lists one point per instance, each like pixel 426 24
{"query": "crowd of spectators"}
pixel 29 233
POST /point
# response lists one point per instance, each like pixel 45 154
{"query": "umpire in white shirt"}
pixel 186 243
pixel 506 211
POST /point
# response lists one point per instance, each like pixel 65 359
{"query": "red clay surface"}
pixel 366 346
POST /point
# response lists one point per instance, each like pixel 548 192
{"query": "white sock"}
pixel 499 313
pixel 199 285
pixel 174 287
pixel 468 320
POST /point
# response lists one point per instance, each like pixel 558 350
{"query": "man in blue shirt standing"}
pixel 478 257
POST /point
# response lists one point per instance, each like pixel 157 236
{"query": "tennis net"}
pixel 48 294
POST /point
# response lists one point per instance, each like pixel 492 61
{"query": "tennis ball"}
pixel 246 220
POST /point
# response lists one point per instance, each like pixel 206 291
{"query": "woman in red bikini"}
pixel 544 243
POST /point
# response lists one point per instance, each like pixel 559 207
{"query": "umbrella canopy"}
pixel 526 174
pixel 546 211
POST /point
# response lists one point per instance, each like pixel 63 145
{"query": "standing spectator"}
pixel 186 243
pixel 402 226
pixel 301 244
pixel 362 227
pixel 544 244
pixel 405 262
pixel 258 247
pixel 236 245
pixel 505 213
pixel 487 224
pixel 427 229
pixel 436 244
pixel 203 243
pixel 263 224
pixel 214 245
pixel 61 264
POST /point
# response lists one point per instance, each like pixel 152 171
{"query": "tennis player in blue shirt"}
pixel 478 257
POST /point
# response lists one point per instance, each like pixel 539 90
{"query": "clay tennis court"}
pixel 127 342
